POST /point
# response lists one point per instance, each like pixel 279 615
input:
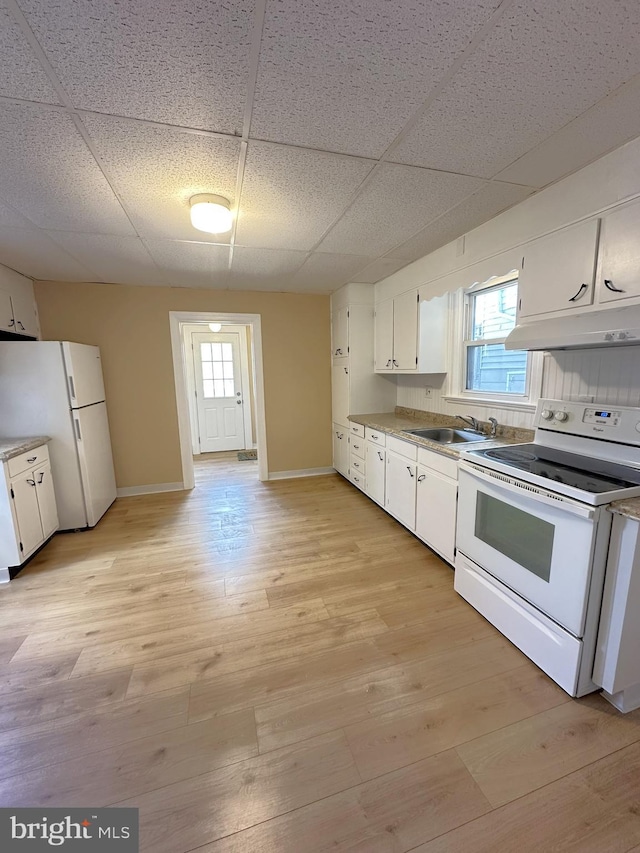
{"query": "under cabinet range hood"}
pixel 611 327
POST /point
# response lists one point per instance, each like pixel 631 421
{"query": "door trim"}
pixel 176 320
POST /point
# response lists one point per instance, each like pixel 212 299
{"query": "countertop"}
pixel 629 507
pixel 10 447
pixel 393 423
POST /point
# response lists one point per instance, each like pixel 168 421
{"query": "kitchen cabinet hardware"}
pixel 31 482
pixel 422 477
pixel 41 477
pixel 410 470
pixel 581 292
pixel 610 286
pixel 380 456
pixel 32 459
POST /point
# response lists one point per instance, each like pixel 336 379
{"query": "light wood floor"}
pixel 281 667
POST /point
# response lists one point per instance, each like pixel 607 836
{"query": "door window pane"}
pixel 218 379
pixel 524 538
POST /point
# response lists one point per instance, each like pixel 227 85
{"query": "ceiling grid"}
pixel 351 137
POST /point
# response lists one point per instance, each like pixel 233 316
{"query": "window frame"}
pixel 462 340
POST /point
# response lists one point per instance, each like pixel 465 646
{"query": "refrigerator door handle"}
pixel 77 425
pixel 72 389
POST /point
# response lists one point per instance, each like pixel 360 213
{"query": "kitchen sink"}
pixel 448 436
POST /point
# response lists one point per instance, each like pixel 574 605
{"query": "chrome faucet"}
pixel 470 421
pixel 494 427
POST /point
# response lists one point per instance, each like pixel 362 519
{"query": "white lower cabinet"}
pixel 28 512
pixel 437 503
pixel 376 470
pixel 341 450
pixel 400 488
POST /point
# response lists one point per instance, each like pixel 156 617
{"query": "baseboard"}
pixel 152 488
pixel 300 472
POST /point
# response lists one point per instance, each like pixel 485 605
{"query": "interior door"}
pixel 219 392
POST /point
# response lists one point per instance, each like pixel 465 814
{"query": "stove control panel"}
pixel 620 424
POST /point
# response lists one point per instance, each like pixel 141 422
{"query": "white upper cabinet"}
pixel 383 359
pixel 411 334
pixel 619 263
pixel 18 313
pixel 340 333
pixel 405 331
pixel 558 271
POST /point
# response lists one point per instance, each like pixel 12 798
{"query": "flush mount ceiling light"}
pixel 211 213
pixel 215 327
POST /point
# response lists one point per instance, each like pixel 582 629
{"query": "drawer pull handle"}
pixel 609 285
pixel 32 459
pixel 31 482
pixel 356 447
pixel 374 437
pixel 581 291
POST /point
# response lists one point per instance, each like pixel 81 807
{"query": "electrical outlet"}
pixel 427 391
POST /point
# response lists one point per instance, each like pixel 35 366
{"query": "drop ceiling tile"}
pixel 324 273
pixel 378 270
pixel 48 174
pixel 191 264
pixel 396 201
pixel 21 75
pixel 178 61
pixel 542 65
pixel 257 268
pixel 486 203
pixel 290 196
pixel 611 122
pixel 12 219
pixel 34 254
pixel 347 76
pixel 156 170
pixel 117 260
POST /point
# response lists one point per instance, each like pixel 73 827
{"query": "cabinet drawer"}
pixel 404 448
pixel 30 459
pixel 357 429
pixel 438 462
pixel 358 480
pixel 376 436
pixel 357 465
pixel 358 446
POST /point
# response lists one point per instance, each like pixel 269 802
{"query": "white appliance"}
pixel 55 388
pixel 533 532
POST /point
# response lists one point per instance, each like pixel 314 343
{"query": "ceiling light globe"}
pixel 211 213
pixel 215 327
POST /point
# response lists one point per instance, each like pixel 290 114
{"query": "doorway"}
pixel 185 366
pixel 220 387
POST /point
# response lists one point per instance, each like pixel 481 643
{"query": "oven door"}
pixel 538 543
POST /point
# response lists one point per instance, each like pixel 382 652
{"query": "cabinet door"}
pixel 620 255
pixel 7 323
pixel 383 333
pixel 376 466
pixel 559 271
pixel 340 392
pixel 341 449
pixel 436 507
pixel 24 312
pixel 400 491
pixel 340 333
pixel 405 331
pixel 46 500
pixel 25 502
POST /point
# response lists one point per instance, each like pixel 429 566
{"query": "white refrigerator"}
pixel 55 388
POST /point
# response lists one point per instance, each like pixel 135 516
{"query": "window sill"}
pixel 493 402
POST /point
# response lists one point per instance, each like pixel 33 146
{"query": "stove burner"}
pixel 511 455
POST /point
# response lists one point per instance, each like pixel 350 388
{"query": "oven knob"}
pixel 547 414
pixel 562 416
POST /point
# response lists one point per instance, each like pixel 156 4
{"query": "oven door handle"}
pixel 535 493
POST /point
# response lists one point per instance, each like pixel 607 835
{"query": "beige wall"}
pixel 131 327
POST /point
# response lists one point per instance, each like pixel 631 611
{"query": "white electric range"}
pixel 533 531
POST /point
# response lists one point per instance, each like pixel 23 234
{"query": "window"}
pixel 217 370
pixel 489 368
